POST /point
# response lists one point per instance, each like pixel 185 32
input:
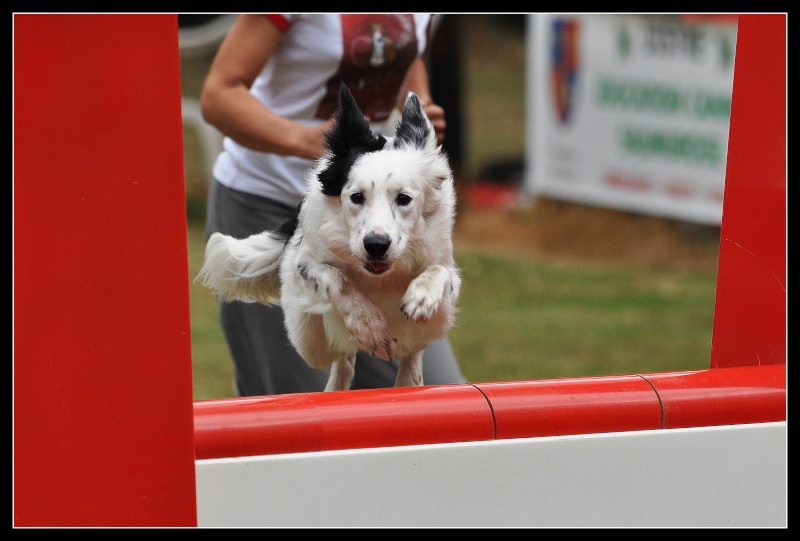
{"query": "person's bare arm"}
pixel 227 104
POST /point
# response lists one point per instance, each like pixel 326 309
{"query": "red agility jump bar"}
pixel 486 411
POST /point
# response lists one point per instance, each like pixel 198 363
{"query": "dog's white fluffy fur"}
pixel 368 264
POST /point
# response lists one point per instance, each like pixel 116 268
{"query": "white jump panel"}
pixel 723 476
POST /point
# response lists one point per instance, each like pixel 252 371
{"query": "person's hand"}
pixel 436 116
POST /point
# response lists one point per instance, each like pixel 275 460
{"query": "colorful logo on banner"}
pixel 564 64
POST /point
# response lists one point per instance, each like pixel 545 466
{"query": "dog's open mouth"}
pixel 377 267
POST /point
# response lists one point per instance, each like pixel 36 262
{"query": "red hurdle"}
pixel 105 430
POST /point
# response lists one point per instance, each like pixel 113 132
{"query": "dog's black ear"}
pixel 349 138
pixel 414 128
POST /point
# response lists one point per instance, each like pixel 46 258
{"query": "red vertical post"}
pixel 750 311
pixel 103 422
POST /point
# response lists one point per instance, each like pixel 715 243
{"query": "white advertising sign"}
pixel 630 112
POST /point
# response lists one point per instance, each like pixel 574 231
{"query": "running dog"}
pixel 368 262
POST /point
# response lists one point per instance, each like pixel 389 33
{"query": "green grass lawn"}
pixel 523 319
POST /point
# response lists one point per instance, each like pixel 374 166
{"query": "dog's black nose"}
pixel 376 245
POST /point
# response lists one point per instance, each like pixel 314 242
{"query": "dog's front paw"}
pixel 419 304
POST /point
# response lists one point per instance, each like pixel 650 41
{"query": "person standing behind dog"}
pixel 271 90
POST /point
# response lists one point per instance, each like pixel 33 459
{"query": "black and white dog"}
pixel 368 263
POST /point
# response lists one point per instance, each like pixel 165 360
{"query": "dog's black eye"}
pixel 357 198
pixel 403 199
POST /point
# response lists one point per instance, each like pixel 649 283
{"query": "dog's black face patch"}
pixel 348 139
pixel 412 129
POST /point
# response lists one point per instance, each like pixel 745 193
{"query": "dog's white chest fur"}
pixel 370 263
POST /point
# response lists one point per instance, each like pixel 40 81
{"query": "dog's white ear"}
pixel 414 129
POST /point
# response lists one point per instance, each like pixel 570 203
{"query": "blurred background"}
pixel 589 157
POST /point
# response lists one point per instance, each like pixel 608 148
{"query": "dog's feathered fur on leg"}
pixel 368 264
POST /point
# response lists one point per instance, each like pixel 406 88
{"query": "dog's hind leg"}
pixel 342 371
pixel 410 371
